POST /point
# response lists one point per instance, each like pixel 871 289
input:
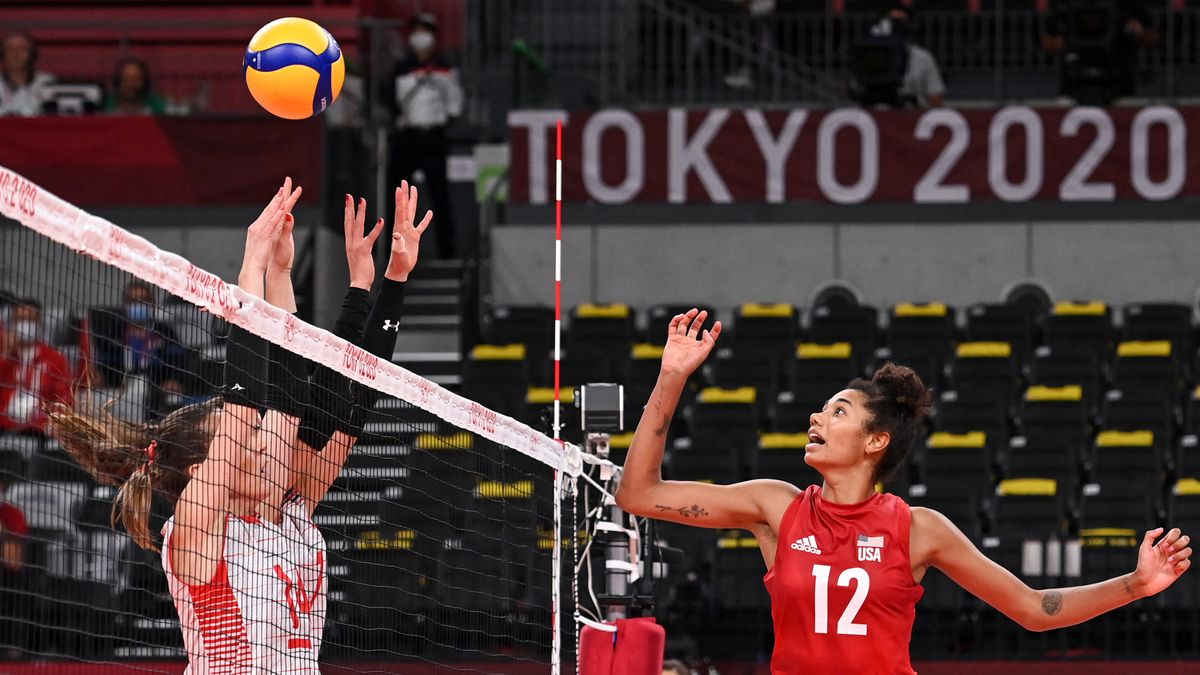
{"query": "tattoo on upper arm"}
pixel 693 511
pixel 1052 603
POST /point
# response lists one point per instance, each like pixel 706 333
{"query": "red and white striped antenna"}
pixel 556 555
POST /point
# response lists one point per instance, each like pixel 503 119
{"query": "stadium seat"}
pixel 1148 368
pixel 1186 456
pixel 387 583
pixel 1184 513
pixel 1132 458
pixel 53 464
pixel 739 569
pixel 965 510
pixel 706 460
pixel 790 416
pixel 766 332
pixel 1144 409
pixel 1054 412
pixel 856 324
pixel 605 331
pixel 989 322
pixel 984 371
pixel 781 456
pixel 1159 321
pixel 12 461
pixel 447 459
pixel 1030 508
pixel 433 513
pixel 951 464
pixel 1081 328
pixel 730 369
pixel 496 376
pixel 1052 458
pixel 640 376
pixel 531 326
pixel 725 415
pixel 1116 506
pixel 1057 368
pixel 922 336
pixel 819 371
pixel 958 415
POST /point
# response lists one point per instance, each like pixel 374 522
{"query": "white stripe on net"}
pixel 61 221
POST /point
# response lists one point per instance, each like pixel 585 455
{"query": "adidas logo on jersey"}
pixel 807 544
pixel 870 549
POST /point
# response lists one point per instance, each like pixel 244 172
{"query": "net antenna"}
pixel 556 556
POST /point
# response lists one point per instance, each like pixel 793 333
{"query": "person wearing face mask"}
pixel 32 373
pixel 133 347
pixel 426 96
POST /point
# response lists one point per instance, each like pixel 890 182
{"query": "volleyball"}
pixel 294 68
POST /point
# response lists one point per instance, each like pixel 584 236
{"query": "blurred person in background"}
pixel 32 373
pixel 427 96
pixel 1098 41
pixel 14 603
pixel 132 91
pixel 134 341
pixel 22 87
pixel 675 667
pixel 891 70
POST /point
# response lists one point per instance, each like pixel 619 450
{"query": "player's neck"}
pixel 245 506
pixel 848 487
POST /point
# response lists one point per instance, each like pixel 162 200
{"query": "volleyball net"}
pixel 452 531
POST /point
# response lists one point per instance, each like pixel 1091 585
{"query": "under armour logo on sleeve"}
pixel 388 325
pixel 237 387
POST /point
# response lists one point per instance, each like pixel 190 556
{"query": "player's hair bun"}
pixel 905 389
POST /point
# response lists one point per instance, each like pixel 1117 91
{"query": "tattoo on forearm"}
pixel 1052 603
pixel 662 430
pixel 1125 585
pixel 693 511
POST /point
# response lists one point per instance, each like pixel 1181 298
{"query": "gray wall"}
pixel 724 265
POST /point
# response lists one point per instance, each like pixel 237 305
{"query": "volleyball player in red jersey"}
pixel 245 564
pixel 844 562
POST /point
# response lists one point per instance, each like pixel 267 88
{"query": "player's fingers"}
pixel 1183 566
pixel 401 203
pixel 290 201
pixel 1172 535
pixel 360 217
pixel 1182 541
pixel 412 203
pixel 697 322
pixel 375 232
pixel 348 218
pixel 674 325
pixel 1181 555
pixel 425 223
pixel 715 331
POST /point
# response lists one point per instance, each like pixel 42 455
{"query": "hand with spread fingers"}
pixel 688 344
pixel 1159 565
pixel 263 233
pixel 359 249
pixel 406 236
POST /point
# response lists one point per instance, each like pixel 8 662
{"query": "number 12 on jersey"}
pixel 845 625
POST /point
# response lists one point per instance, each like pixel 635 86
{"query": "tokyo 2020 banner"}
pixel 854 156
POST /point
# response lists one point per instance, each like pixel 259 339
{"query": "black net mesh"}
pixel 438 541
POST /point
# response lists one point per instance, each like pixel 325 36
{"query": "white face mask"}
pixel 25 331
pixel 421 41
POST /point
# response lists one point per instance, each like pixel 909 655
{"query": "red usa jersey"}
pixel 843 597
pixel 263 613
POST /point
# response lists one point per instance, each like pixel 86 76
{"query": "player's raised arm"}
pixel 643 491
pixel 949 550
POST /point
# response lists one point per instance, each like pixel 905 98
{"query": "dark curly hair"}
pixel 897 401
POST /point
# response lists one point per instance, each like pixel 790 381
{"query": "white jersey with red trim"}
pixel 263 613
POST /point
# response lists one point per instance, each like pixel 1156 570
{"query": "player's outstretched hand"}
pixel 359 249
pixel 1159 565
pixel 406 233
pixel 687 344
pixel 262 234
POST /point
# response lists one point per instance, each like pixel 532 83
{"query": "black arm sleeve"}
pixel 332 403
pixel 379 338
pixel 287 390
pixel 245 368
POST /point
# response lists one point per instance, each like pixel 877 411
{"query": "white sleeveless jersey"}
pixel 264 611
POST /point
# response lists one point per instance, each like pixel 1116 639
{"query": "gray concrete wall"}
pixel 1117 262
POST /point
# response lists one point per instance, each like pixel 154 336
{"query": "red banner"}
pixel 854 156
pixel 148 161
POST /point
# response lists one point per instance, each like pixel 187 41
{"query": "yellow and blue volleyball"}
pixel 294 68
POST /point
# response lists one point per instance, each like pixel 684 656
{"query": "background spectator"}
pixel 132 90
pixel 22 88
pixel 32 373
pixel 14 602
pixel 675 667
pixel 1098 44
pixel 134 342
pixel 427 96
pixel 891 70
